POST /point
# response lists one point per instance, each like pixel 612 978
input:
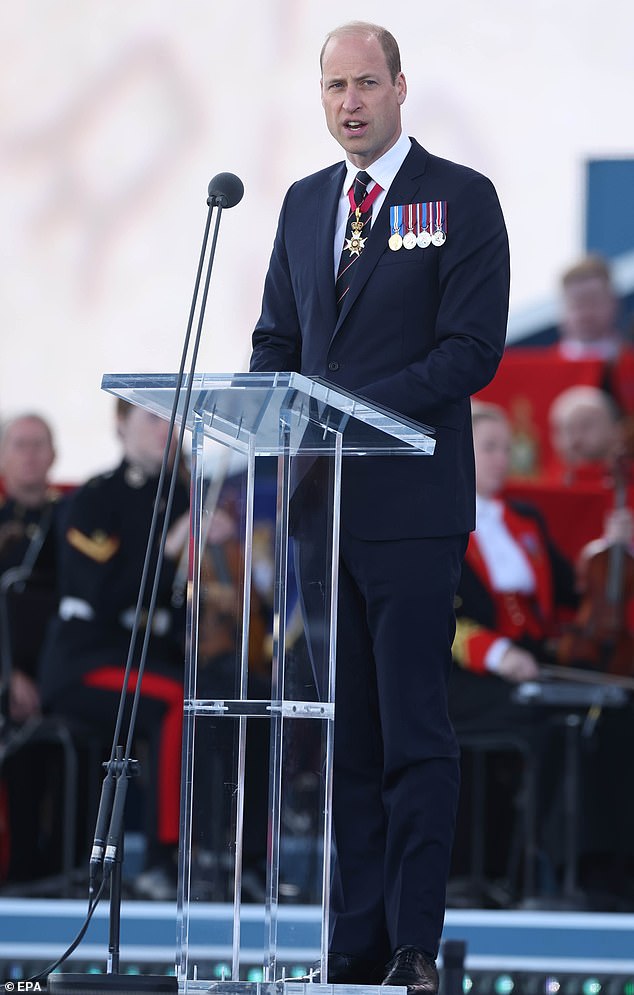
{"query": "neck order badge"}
pixel 360 205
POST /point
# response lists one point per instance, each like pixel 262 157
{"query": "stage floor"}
pixel 36 931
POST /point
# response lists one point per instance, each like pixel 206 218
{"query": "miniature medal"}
pixel 440 236
pixel 409 239
pixel 423 238
pixel 395 240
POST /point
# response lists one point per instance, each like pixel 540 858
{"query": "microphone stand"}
pixel 225 190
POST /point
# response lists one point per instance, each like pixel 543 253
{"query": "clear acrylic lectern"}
pixel 260 658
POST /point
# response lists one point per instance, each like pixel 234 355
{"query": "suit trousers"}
pixel 396 766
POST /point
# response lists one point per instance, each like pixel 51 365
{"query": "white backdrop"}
pixel 115 117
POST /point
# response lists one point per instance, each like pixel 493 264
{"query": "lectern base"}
pixel 122 984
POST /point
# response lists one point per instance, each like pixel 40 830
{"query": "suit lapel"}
pixel 403 190
pixel 325 218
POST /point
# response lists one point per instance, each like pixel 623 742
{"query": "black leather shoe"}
pixel 346 969
pixel 411 968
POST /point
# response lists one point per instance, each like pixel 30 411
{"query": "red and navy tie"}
pixel 353 239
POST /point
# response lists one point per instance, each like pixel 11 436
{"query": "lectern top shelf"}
pixel 272 413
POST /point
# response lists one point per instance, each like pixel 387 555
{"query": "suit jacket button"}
pixel 333 366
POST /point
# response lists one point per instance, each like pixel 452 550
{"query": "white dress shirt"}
pixel 382 172
pixel 508 566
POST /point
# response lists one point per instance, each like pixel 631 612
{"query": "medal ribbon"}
pixel 397 219
pixel 424 222
pixel 441 208
pixel 369 199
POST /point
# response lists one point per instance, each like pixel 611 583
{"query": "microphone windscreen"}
pixel 225 190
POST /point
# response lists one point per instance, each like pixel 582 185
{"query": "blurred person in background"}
pixel 103 549
pixel 588 326
pixel 516 603
pixel 585 432
pixel 30 510
pixel 514 591
pixel 513 580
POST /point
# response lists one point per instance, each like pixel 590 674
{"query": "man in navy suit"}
pixel 415 326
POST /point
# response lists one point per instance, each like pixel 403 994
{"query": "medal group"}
pixel 413 225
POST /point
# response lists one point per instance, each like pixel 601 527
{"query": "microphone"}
pixel 103 816
pixel 225 190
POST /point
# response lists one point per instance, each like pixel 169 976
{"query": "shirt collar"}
pixel 384 169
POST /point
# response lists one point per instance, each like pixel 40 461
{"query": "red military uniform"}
pixel 485 615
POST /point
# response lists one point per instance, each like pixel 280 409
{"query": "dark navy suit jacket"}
pixel 420 330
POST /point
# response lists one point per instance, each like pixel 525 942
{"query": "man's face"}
pixel 26 454
pixel 585 434
pixel 492 448
pixel 361 101
pixel 589 310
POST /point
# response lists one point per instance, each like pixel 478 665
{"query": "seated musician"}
pixel 30 510
pixel 515 595
pixel 584 429
pixel 102 555
pixel 593 445
pixel 514 580
pixel 513 583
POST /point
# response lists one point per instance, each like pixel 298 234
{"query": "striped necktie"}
pixel 353 239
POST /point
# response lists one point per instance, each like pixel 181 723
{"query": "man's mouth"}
pixel 354 125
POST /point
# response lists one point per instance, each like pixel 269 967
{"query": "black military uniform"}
pixel 28 567
pixel 102 555
pixel 28 599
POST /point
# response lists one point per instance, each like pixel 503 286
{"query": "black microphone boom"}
pixel 225 190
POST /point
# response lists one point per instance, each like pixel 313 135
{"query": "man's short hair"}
pixel 485 411
pixel 385 38
pixel 589 268
pixel 582 396
pixel 7 425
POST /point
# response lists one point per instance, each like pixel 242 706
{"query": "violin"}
pixel 600 637
pixel 220 607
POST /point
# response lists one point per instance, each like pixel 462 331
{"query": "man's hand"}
pixel 24 697
pixel 518 665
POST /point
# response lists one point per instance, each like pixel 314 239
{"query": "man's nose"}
pixel 352 99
